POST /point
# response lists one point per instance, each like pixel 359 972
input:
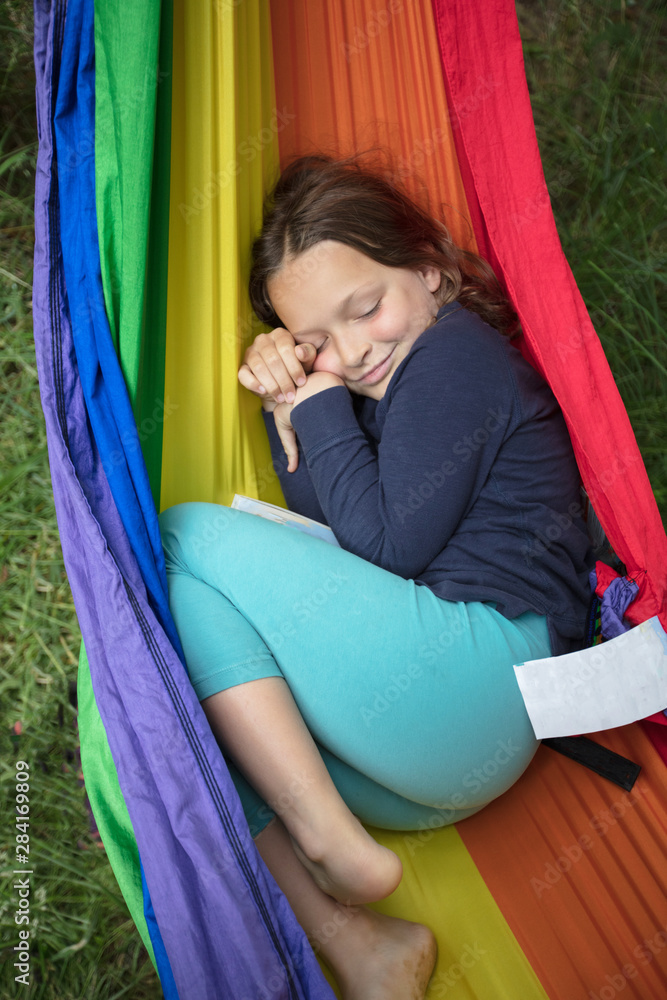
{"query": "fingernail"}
pixel 260 388
pixel 290 397
pixel 301 381
pixel 280 398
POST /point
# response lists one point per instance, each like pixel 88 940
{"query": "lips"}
pixel 378 373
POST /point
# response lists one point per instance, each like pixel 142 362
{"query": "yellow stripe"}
pixel 224 156
pixel 478 955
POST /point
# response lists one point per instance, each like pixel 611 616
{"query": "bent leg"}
pixel 372 803
pixel 260 727
pixel 371 955
pixel 415 694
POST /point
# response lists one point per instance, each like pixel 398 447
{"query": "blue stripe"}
pixel 161 958
pixel 107 400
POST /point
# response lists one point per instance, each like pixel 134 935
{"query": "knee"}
pixel 188 529
pixel 168 518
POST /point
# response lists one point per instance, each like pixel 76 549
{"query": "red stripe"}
pixel 483 65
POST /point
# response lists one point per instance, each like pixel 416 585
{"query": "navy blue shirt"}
pixel 462 477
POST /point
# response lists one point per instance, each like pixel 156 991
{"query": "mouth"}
pixel 377 373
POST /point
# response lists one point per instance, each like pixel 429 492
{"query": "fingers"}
pixel 306 353
pixel 272 367
pixel 288 438
pixel 247 379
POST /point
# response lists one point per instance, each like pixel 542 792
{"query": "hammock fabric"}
pixel 160 131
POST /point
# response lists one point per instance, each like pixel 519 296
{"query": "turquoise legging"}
pixel 411 699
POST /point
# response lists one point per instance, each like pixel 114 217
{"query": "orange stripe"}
pixel 360 74
pixel 579 871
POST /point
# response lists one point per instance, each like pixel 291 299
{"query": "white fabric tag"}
pixel 609 685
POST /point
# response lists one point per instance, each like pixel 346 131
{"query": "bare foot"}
pixel 397 963
pixel 349 865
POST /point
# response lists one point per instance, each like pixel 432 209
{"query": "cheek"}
pixel 390 326
pixel 326 363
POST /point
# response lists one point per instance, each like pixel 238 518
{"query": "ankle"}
pixel 321 833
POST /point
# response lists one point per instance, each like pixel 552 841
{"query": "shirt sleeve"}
pixel 297 486
pixel 448 410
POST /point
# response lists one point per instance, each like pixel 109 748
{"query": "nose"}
pixel 351 348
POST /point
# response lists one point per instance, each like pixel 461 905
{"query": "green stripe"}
pixel 107 802
pixel 132 160
pixel 151 406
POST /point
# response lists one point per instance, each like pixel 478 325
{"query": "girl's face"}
pixel 362 317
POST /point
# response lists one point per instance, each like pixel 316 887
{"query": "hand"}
pixel 274 366
pixel 281 416
pixel 316 382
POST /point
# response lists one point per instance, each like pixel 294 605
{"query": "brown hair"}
pixel 318 198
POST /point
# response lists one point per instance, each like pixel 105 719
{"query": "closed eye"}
pixel 372 311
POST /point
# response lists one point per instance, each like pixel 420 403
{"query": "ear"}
pixel 432 277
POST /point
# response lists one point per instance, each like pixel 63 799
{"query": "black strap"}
pixel 600 759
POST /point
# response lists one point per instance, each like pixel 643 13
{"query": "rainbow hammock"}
pixel 160 130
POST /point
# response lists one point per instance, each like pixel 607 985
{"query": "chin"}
pixel 372 391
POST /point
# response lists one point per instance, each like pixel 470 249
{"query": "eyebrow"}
pixel 341 308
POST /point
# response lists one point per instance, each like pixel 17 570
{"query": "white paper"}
pixel 609 685
pixel 287 517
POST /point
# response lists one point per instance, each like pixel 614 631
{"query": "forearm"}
pixel 357 503
pixel 297 486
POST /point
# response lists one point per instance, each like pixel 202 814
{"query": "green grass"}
pixel 596 82
pixel 85 944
